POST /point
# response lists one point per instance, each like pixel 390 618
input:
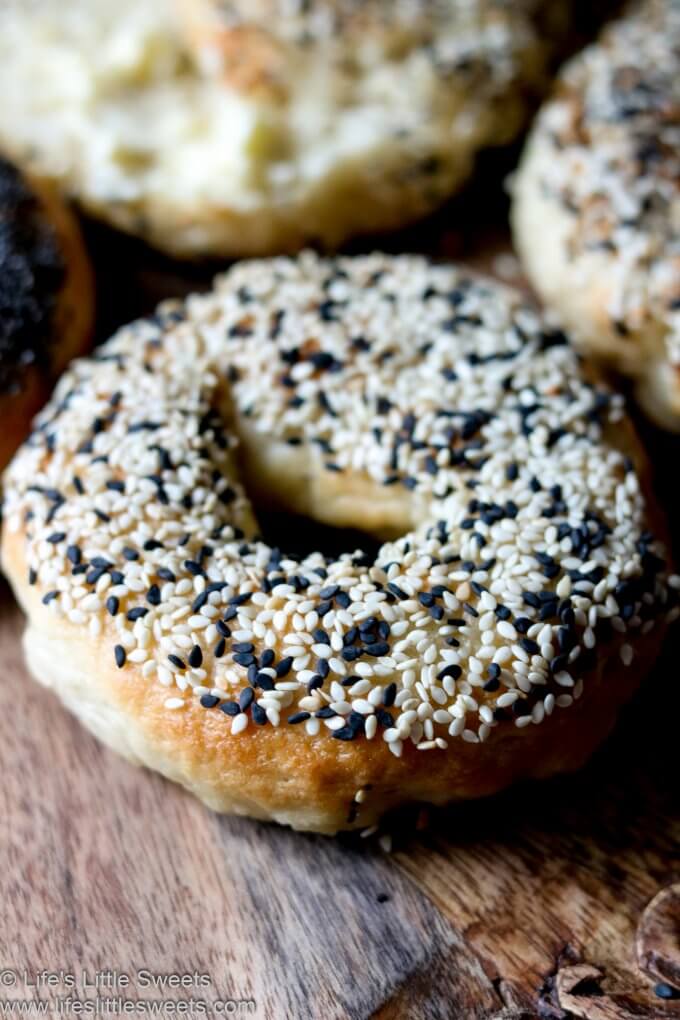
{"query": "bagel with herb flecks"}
pixel 330 119
pixel 490 639
pixel 597 202
pixel 46 299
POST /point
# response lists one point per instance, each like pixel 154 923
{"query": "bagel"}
pixel 312 137
pixel 597 203
pixel 489 638
pixel 46 302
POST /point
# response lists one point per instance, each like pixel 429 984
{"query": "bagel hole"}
pixel 299 536
pixel 302 508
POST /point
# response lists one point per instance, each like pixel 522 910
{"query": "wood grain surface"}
pixel 553 901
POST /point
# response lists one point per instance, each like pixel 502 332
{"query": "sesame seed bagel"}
pixel 488 640
pixel 322 126
pixel 46 299
pixel 597 202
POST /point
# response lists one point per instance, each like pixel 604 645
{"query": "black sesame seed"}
pixel 209 701
pixel 344 733
pixel 559 663
pixel 298 717
pixel 74 554
pixel 264 681
pixel 267 658
pixel 120 656
pixel 284 667
pixel 246 698
pixel 259 715
pixel 136 614
pixel 94 575
pixel 230 708
pixel 220 648
pixel 176 661
pixel 112 604
pixel 356 721
pixel 451 670
pixel 389 694
pixel 195 657
pixel 377 649
pixel 153 596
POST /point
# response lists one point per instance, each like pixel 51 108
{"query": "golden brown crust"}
pixel 283 775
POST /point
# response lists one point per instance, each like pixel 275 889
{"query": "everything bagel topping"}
pixel 527 560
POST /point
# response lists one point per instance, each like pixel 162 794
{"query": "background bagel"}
pixel 488 643
pixel 596 214
pixel 46 299
pixel 306 139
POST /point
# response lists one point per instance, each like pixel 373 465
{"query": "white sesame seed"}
pixel 626 653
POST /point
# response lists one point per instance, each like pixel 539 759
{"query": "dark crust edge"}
pixel 32 273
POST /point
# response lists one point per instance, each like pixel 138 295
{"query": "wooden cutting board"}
pixel 523 906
